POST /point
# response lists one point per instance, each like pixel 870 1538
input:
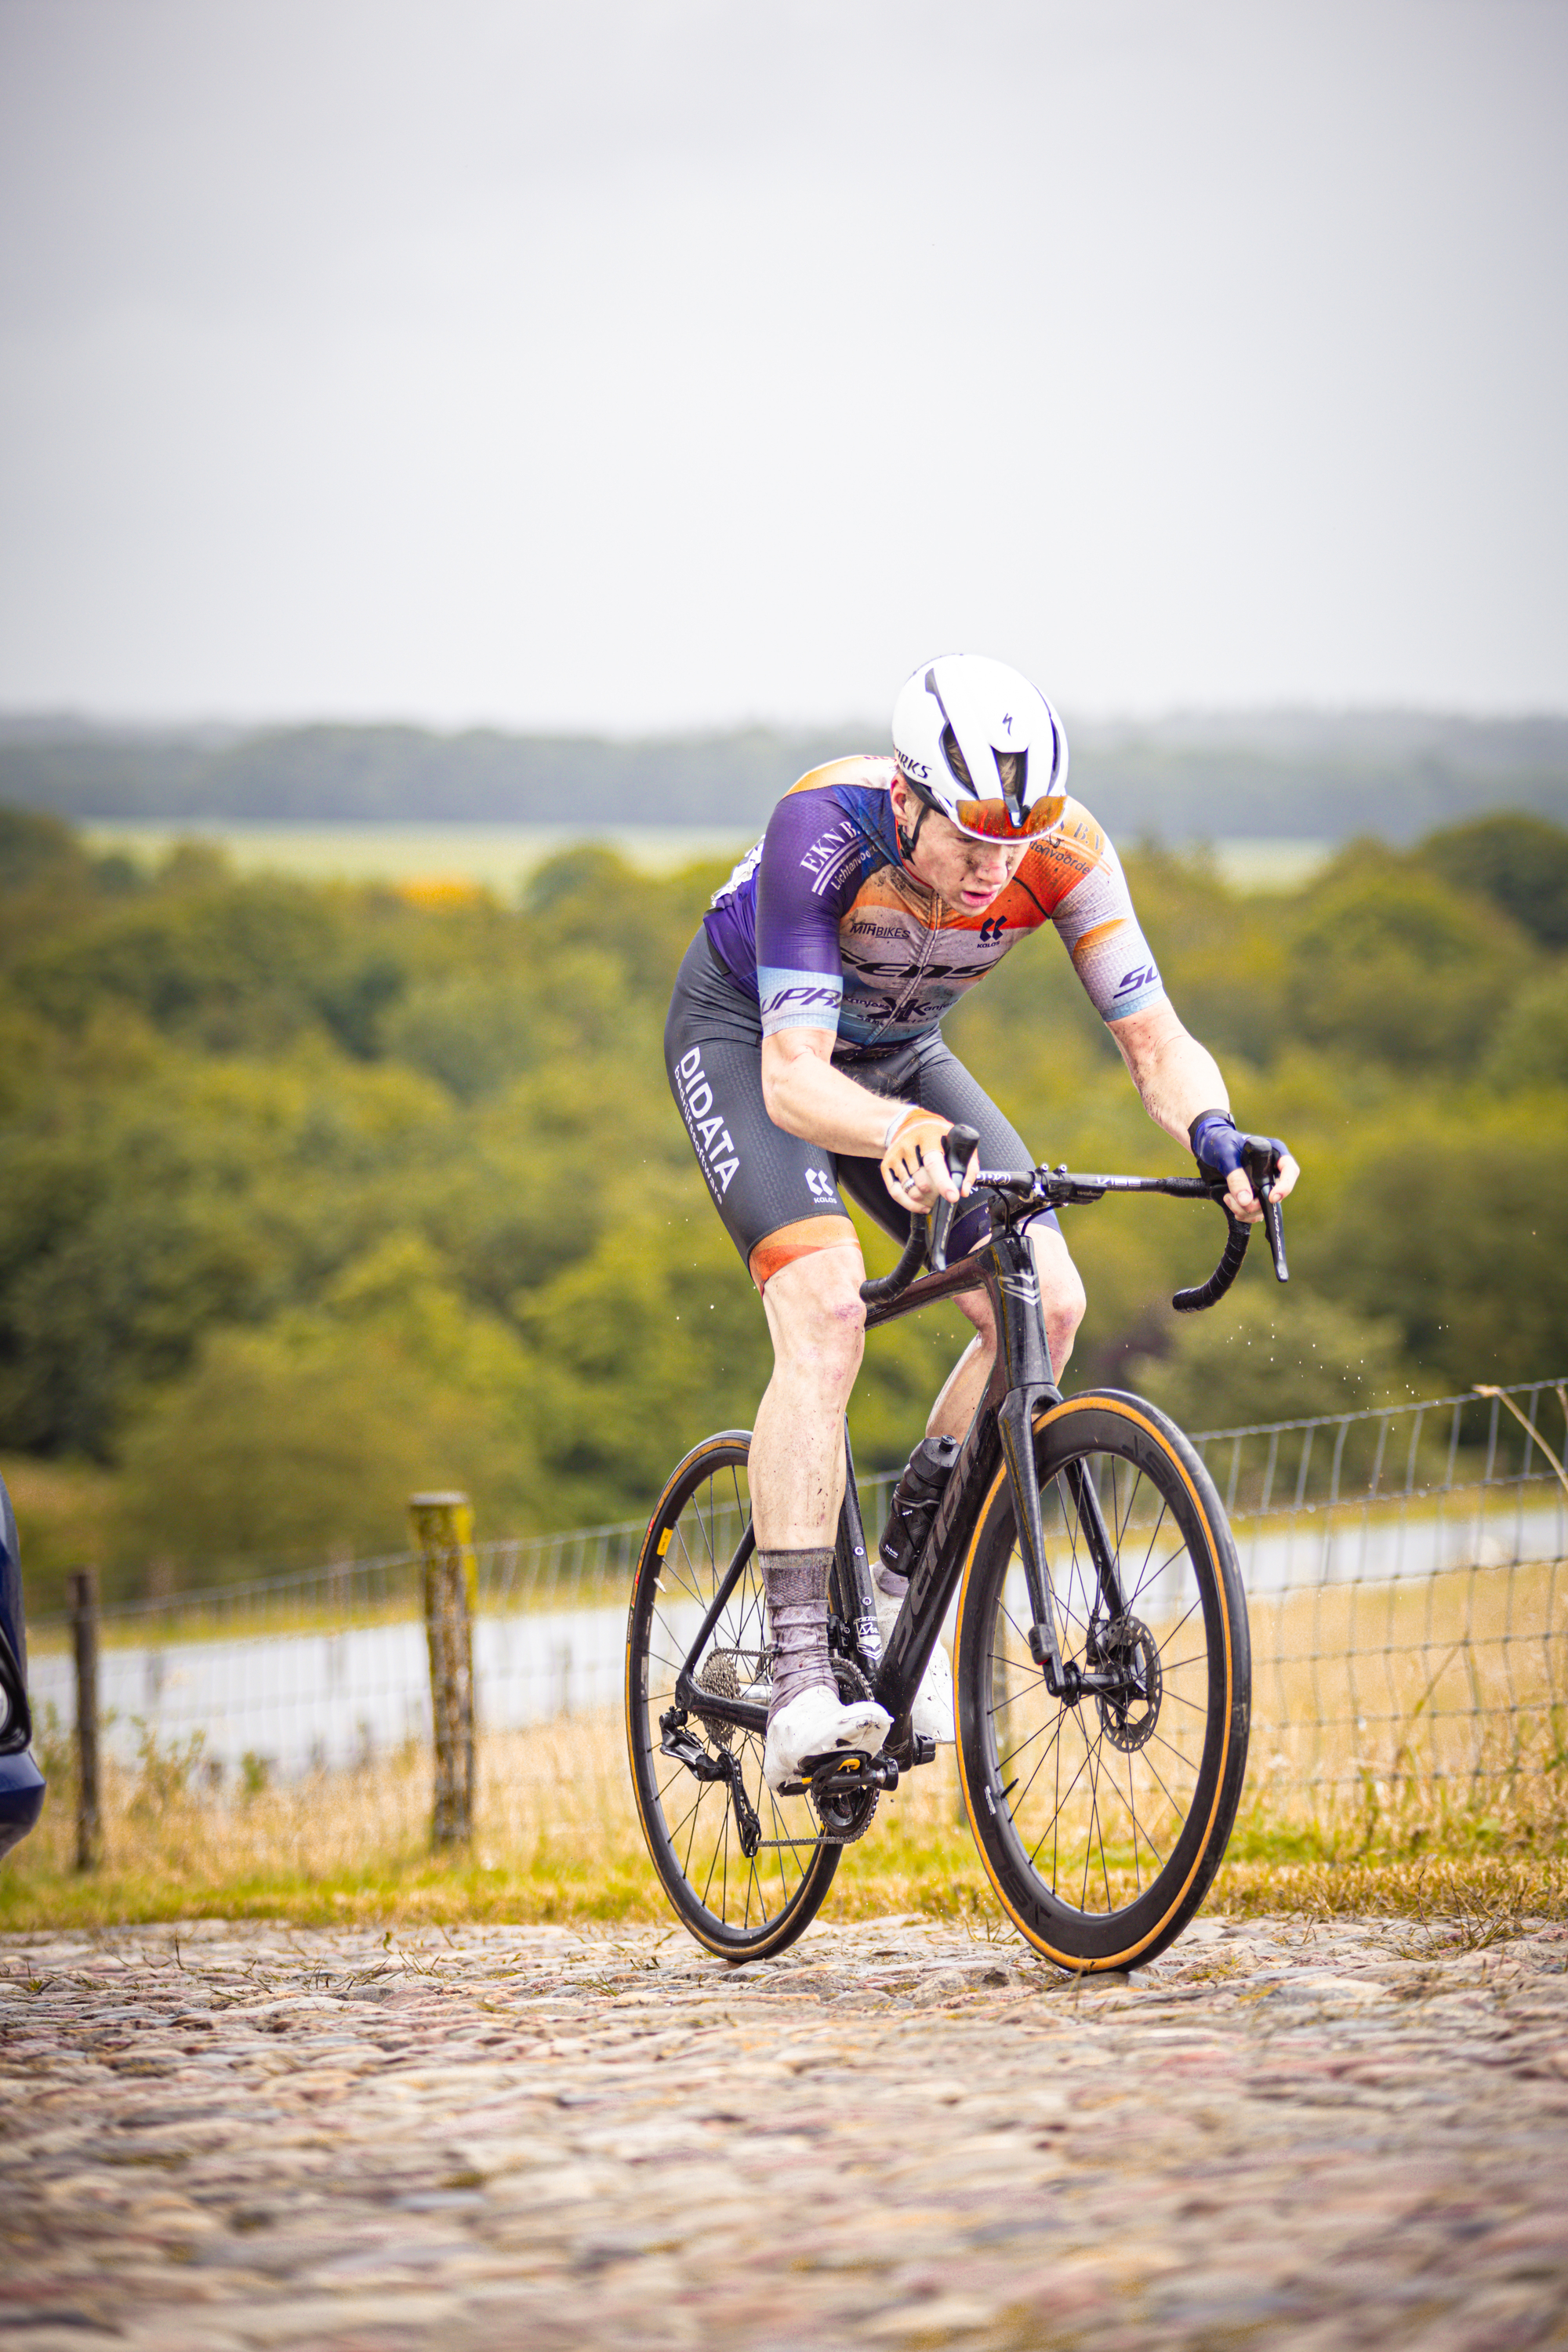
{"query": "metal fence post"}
pixel 83 1589
pixel 444 1532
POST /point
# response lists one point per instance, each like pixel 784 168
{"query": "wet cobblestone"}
pixel 227 2137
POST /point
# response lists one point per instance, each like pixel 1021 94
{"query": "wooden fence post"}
pixel 443 1531
pixel 83 1589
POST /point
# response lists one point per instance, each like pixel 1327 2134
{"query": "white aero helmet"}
pixel 976 740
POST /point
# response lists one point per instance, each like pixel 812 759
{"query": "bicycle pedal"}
pixel 845 1770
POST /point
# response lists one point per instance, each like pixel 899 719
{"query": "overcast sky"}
pixel 652 363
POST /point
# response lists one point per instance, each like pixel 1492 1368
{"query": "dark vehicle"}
pixel 21 1782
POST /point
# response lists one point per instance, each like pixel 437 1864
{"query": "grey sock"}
pixel 797 1586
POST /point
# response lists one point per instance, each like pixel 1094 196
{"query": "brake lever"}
pixel 1261 1157
pixel 960 1144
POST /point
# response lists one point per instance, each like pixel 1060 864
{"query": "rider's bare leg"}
pixel 796 1474
pixel 1061 1296
pixel 818 1324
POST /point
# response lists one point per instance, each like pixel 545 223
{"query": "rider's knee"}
pixel 1064 1312
pixel 975 1308
pixel 1063 1300
pixel 815 1308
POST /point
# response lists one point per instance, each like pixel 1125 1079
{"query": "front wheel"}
pixel 1102 1818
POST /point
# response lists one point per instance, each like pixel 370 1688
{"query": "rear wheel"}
pixel 1102 1819
pixel 745 1906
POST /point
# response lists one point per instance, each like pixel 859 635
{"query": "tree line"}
pixel 310 1195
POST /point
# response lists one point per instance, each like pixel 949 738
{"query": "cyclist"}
pixel 804 1052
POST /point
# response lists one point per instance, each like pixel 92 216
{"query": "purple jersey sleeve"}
pixel 816 852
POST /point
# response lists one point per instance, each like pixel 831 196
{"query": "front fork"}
pixel 1064 1679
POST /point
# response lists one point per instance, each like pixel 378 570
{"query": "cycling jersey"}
pixel 825 925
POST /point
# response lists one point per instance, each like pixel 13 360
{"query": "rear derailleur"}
pixel 706 1765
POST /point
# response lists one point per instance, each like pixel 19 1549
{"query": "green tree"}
pixel 1531 1048
pixel 1258 1357
pixel 279 1447
pixel 1520 862
pixel 1389 962
pixel 1452 1228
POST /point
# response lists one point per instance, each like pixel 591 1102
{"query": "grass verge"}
pixel 557 1839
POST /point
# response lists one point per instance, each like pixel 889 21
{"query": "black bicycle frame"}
pixel 1021 1379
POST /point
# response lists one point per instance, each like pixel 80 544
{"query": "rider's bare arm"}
pixel 1176 1079
pixel 807 1097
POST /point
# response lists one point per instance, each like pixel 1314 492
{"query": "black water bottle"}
pixel 913 1507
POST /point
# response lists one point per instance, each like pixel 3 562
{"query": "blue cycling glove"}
pixel 1219 1148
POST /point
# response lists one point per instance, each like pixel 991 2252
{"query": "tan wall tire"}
pixel 1101 1824
pixel 746 1909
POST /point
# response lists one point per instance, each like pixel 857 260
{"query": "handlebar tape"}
pixel 1190 1302
pixel 888 1285
pixel 928 1235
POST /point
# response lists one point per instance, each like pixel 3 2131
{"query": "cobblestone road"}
pixel 896 2136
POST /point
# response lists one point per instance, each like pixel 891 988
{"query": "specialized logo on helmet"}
pixel 913 769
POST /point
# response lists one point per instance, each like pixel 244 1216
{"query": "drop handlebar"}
pixel 1019 1194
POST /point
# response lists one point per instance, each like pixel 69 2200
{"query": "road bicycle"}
pixel 1100 1656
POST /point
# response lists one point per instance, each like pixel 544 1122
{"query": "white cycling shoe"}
pixel 932 1716
pixel 815 1722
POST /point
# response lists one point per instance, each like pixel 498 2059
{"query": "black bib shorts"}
pixel 760 1177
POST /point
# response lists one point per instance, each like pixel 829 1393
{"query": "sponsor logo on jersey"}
pixel 829 853
pixel 992 928
pixel 901 934
pixel 710 1138
pixel 782 998
pixel 1143 975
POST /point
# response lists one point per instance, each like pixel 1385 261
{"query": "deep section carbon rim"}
pixel 1102 1818
pixel 743 1906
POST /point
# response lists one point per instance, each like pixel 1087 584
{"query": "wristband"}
pixel 1202 1121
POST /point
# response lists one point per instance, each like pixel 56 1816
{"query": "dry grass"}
pixel 1448 1677
pixel 557 1838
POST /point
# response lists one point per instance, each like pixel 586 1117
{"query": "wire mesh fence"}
pixel 1405 1572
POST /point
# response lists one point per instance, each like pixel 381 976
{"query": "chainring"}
pixel 1128 1719
pixel 846 1815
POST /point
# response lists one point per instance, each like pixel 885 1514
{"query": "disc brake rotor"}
pixel 1127 1716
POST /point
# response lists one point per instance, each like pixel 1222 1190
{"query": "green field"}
pixel 492 856
pixel 500 856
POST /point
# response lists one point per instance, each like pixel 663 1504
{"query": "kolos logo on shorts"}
pixel 709 1134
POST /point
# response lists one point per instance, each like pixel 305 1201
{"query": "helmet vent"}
pixel 955 759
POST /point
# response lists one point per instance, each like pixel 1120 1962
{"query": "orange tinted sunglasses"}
pixel 992 821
